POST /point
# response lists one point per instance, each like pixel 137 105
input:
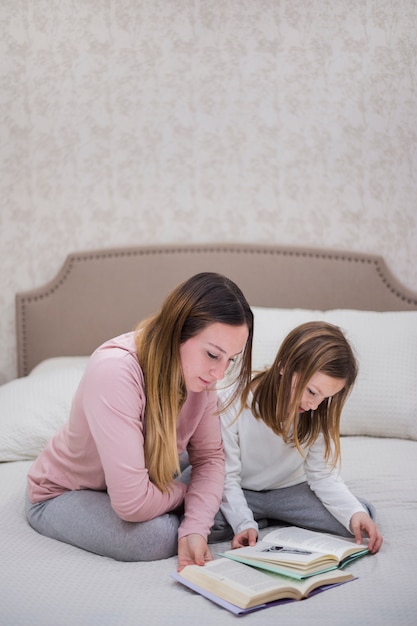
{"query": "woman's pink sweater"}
pixel 101 446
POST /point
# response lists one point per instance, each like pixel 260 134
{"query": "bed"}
pixel 98 294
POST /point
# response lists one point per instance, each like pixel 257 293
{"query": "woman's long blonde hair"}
pixel 202 300
pixel 309 348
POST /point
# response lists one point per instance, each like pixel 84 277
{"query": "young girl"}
pixel 283 448
pixel 108 481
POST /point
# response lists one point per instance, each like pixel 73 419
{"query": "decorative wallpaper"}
pixel 150 121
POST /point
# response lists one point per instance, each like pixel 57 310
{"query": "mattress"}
pixel 48 583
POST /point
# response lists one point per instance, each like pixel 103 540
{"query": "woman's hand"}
pixel 361 523
pixel 193 550
pixel 247 537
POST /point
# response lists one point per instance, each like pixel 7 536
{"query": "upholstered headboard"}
pixel 101 293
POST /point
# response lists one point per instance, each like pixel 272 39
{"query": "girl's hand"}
pixel 247 537
pixel 193 550
pixel 360 524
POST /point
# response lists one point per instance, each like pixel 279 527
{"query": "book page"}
pixel 237 583
pixel 315 541
pixel 249 579
pixel 281 554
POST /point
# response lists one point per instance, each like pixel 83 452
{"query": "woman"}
pixel 282 448
pixel 108 481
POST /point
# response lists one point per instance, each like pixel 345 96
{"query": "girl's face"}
pixel 319 388
pixel 206 356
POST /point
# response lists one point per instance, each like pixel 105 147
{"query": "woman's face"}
pixel 206 356
pixel 319 388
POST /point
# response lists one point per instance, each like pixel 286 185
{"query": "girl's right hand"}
pixel 247 537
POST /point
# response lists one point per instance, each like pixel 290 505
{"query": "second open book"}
pixel 298 553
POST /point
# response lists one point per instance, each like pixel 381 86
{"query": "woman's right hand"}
pixel 247 537
pixel 193 550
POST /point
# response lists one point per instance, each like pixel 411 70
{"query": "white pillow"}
pixel 33 408
pixel 383 402
pixel 271 326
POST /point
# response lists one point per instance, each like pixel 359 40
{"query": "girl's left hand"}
pixel 193 550
pixel 361 523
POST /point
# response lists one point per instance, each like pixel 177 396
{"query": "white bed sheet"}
pixel 48 583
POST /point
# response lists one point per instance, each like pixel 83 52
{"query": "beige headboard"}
pixel 101 293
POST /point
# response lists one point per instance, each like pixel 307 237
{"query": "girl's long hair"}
pixel 311 347
pixel 202 300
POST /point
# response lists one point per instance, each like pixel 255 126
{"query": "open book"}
pixel 298 553
pixel 237 587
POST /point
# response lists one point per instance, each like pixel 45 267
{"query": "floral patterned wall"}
pixel 151 121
